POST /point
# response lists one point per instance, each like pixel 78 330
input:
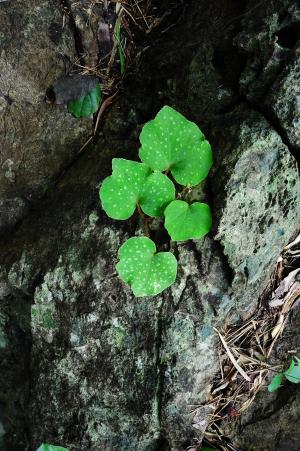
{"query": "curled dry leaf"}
pixel 68 88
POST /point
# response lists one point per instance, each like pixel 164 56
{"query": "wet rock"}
pixel 38 140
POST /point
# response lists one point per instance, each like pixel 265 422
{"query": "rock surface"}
pixel 283 101
pixel 38 140
pixel 83 363
pixel 261 208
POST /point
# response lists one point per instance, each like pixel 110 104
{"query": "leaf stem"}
pixel 185 190
pixel 145 220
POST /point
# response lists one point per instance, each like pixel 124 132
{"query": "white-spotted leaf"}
pixel 132 183
pixel 157 192
pixel 293 372
pixel 119 192
pixel 171 142
pixel 184 221
pixel 146 271
pixel 276 382
pixel 47 447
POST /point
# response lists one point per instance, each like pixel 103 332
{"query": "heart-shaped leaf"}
pixel 184 221
pixel 46 447
pixel 147 272
pixel 171 142
pixel 132 183
pixel 87 105
pixel 119 192
pixel 293 372
pixel 157 192
pixel 276 382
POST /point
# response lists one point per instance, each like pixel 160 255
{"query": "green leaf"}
pixel 119 192
pixel 46 447
pixel 185 222
pixel 87 105
pixel 157 192
pixel 293 372
pixel 171 142
pixel 132 183
pixel 121 51
pixel 276 382
pixel 207 448
pixel 147 272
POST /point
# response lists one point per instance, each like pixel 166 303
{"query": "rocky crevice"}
pixel 66 8
pixel 159 436
pixel 123 373
pixel 274 122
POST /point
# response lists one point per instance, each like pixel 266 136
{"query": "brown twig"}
pixel 233 360
pixel 185 190
pixel 107 102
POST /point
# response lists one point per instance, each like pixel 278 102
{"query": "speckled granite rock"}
pixel 261 209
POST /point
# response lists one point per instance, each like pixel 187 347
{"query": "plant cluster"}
pixel 292 374
pixel 173 153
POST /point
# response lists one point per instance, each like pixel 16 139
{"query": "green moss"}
pixel 117 335
pixel 42 316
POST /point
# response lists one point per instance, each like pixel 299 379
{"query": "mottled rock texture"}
pixel 262 202
pixel 84 363
pixel 38 140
